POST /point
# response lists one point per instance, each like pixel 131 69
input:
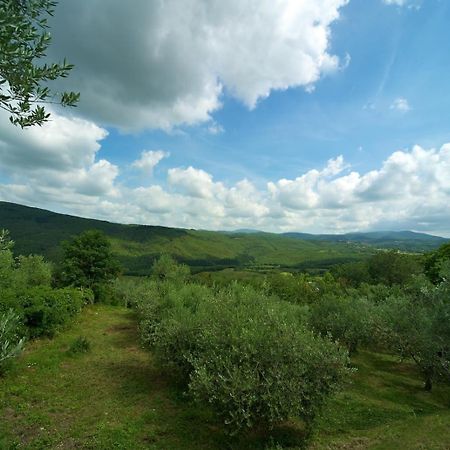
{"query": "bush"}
pixel 33 271
pixel 300 289
pixel 165 268
pixel 258 367
pixel 80 345
pixel 44 311
pixel 25 288
pixel 346 319
pixel 435 260
pixel 167 302
pixel 416 325
pixel 11 341
pixel 6 270
pixel 392 267
pixel 246 354
pixel 131 292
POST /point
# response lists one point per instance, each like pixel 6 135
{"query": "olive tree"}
pixel 417 326
pixel 24 39
pixel 11 342
pixel 347 319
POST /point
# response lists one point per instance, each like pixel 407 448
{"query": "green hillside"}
pixel 40 231
pixel 401 240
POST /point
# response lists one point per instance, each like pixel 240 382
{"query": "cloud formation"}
pixel 410 190
pixel 60 156
pixel 395 2
pixel 159 64
pixel 400 104
pixel 149 160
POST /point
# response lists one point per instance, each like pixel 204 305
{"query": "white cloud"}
pixel 215 128
pixel 159 64
pixel 395 2
pixel 62 143
pixel 194 182
pixel 397 193
pixel 61 155
pixel 410 190
pixel 400 104
pixel 149 160
pixel 410 4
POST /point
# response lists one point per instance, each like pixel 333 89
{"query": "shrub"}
pixel 392 267
pixel 167 302
pixel 435 260
pixel 347 319
pixel 416 325
pixel 6 269
pixel 11 341
pixel 33 271
pixel 246 354
pixel 44 311
pixel 80 345
pixel 260 367
pixel 165 268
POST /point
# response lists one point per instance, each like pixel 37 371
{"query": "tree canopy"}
pixel 24 38
pixel 89 261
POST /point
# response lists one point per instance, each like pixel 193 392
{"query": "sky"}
pixel 321 116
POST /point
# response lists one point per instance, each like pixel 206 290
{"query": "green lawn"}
pixel 114 397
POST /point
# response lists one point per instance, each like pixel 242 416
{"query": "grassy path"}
pixel 114 397
pixel 109 398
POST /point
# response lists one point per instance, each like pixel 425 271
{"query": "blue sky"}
pixel 327 117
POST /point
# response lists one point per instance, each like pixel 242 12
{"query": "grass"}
pixel 114 397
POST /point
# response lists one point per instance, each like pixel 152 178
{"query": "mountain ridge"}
pixel 40 231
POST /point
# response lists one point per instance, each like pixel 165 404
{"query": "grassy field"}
pixel 114 397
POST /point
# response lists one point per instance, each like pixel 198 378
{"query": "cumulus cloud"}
pixel 57 156
pixel 149 160
pixel 62 143
pixel 400 104
pixel 166 63
pixel 194 182
pixel 410 190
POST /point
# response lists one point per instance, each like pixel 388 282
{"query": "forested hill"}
pixel 401 240
pixel 39 231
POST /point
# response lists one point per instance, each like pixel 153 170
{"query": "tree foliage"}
pixel 246 353
pixel 392 267
pixel 347 319
pixel 165 268
pixel 6 243
pixel 416 324
pixel 24 38
pixel 11 342
pixel 435 260
pixel 89 261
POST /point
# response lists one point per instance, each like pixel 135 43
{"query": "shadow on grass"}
pixel 178 422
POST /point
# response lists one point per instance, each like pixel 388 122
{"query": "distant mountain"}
pixel 41 232
pixel 401 240
pixel 245 231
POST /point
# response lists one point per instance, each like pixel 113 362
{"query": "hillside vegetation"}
pixel 355 359
pixel 46 401
pixel 40 232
